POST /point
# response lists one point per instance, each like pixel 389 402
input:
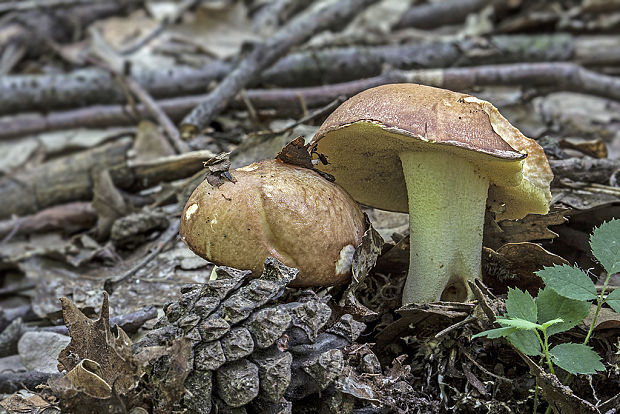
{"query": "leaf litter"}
pixel 427 363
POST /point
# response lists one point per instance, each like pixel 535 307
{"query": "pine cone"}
pixel 247 348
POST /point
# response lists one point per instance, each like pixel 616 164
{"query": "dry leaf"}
pixel 561 397
pixel 108 202
pixel 86 377
pixel 531 227
pixel 593 147
pixel 95 341
pixel 218 167
pixel 168 367
pixel 150 143
pixel 26 402
pixel 364 259
pixel 514 264
pixel 296 153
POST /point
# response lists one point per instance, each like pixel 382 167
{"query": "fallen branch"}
pixel 151 107
pixel 263 55
pixel 316 67
pixel 32 29
pixel 13 382
pixel 287 101
pixel 23 5
pixel 435 14
pixel 67 218
pixel 130 323
pixel 70 178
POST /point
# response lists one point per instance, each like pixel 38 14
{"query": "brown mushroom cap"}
pixel 280 210
pixel 364 136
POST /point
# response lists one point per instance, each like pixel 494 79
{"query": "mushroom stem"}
pixel 447 199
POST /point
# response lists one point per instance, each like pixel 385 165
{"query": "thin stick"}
pixel 552 76
pixel 172 231
pixel 154 109
pixel 296 32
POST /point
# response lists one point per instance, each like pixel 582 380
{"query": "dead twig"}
pixel 286 101
pixel 71 178
pixel 265 54
pixel 67 217
pixel 96 86
pixel 589 170
pixel 15 381
pixel 130 323
pixel 23 5
pixel 167 236
pixel 431 15
pixel 162 119
pixel 309 117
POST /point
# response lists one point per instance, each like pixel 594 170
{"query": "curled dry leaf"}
pixel 86 377
pixel 94 340
pixel 218 167
pixel 364 260
pixel 296 153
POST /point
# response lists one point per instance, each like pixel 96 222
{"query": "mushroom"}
pixel 441 156
pixel 275 209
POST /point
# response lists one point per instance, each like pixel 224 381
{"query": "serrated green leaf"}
pixel 576 358
pixel 525 341
pixel 518 323
pixel 521 305
pixel 568 281
pixel 552 306
pixel 495 333
pixel 605 244
pixel 552 322
pixel 613 300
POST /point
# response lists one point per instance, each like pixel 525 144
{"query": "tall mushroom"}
pixel 276 209
pixel 441 156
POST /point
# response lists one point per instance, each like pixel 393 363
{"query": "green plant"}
pixel 562 304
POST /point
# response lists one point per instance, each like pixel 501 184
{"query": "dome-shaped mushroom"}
pixel 441 156
pixel 276 209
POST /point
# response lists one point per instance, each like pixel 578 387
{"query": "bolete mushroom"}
pixel 276 209
pixel 441 156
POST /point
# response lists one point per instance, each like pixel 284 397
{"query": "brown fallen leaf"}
pixel 531 227
pixel 167 368
pixel 296 153
pixel 93 340
pixel 26 402
pixel 364 260
pixel 218 167
pixel 514 264
pixel 108 202
pixel 593 147
pixel 559 396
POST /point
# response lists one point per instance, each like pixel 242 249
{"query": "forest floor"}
pixel 108 112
